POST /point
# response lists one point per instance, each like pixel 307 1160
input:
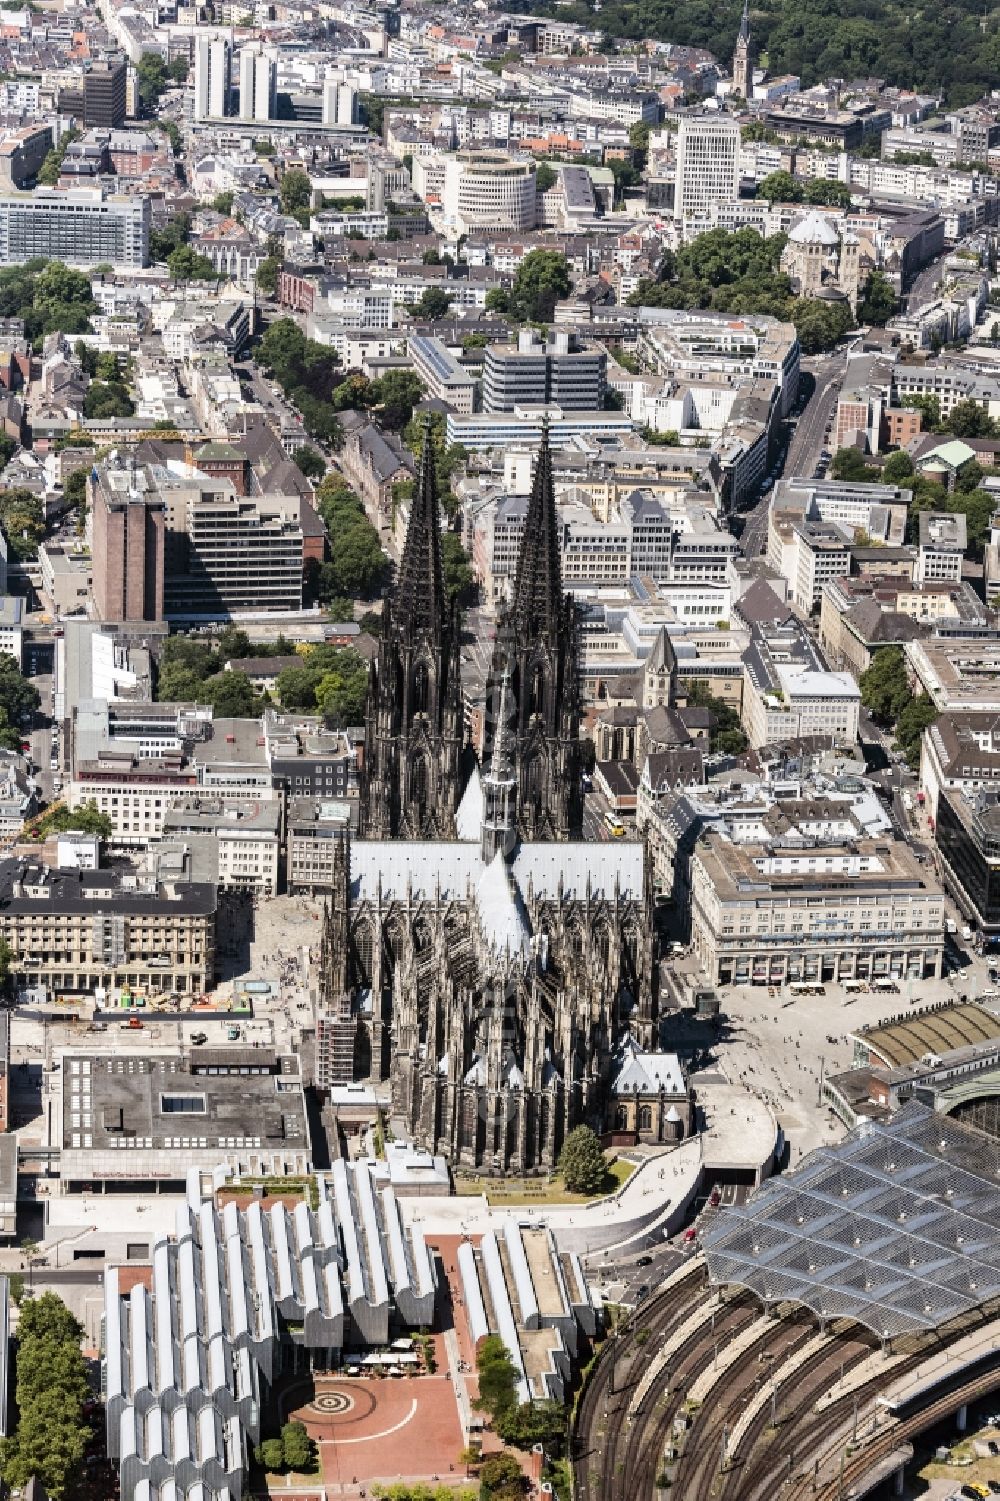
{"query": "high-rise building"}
pixel 104 94
pixel 258 85
pixel 708 164
pixel 488 190
pixel 743 58
pixel 128 546
pixel 340 103
pixel 559 371
pixel 212 63
pixel 82 227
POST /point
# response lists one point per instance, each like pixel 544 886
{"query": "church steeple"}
pixel 743 57
pixel 535 667
pixel 537 597
pixel 413 720
pixel 420 598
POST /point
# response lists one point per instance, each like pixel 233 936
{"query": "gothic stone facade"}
pixel 482 958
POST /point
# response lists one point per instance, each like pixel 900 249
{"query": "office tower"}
pixel 104 94
pixel 558 370
pixel 488 190
pixel 128 547
pixel 258 85
pixel 212 59
pixel 708 164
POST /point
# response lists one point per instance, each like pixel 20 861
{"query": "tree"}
pixel 884 687
pixel 300 1452
pixel 540 280
pixel 726 735
pixel 6 959
pixel 879 302
pixel 545 177
pixel 582 1162
pixel 497 301
pixel 295 192
pixel 21 521
pixel 162 242
pixel 271 1455
pixel 106 367
pixel 501 1473
pixel 780 187
pixel 434 303
pixel 19 698
pixel 152 75
pixel 456 567
pixel 915 717
pixel 358 566
pixel 52 1433
pixel 311 463
pixel 533 1423
pixel 341 691
pixel 58 819
pixel 231 695
pixel 396 394
pixel 178 69
pixel 172 133
pixel 898 468
pixel 929 408
pixel 849 464
pixel 223 202
pixel 267 273
pixel 969 420
pixel 820 325
pixel 187 265
pixel 497 1377
pixel 106 399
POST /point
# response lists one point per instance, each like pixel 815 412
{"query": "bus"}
pixel 615 826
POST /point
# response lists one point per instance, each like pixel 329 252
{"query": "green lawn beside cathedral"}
pixel 540 1190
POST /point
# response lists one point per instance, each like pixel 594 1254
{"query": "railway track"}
pixel 805 1487
pixel 623 1431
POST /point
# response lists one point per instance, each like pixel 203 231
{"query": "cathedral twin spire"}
pixel 411 782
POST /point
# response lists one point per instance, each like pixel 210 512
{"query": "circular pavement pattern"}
pixel 331 1404
pixel 330 1407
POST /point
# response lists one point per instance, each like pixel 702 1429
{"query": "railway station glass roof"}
pixel 896 1227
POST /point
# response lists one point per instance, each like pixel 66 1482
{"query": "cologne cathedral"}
pixel 478 954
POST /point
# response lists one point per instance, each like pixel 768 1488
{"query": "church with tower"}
pixel 479 955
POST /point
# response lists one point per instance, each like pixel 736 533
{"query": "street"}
pixel 810 437
pixel 753 539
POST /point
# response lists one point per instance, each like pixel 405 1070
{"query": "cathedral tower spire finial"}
pixel 420 595
pixel 537 597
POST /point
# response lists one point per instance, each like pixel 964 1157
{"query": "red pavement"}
pixel 393 1428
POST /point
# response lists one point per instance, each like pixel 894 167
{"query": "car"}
pixel 645 1261
pixel 53 764
pixel 642 1291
